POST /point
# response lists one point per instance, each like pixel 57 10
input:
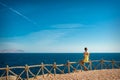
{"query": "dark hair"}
pixel 85 48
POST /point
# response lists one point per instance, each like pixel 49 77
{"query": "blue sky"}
pixel 60 25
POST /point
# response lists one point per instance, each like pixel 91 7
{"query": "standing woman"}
pixel 86 55
pixel 85 59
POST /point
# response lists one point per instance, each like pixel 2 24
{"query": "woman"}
pixel 86 59
pixel 86 55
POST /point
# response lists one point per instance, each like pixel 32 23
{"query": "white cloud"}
pixel 57 40
pixel 10 45
pixel 34 42
pixel 68 26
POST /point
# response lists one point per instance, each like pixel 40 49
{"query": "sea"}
pixel 21 59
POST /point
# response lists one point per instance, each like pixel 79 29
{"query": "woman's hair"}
pixel 85 49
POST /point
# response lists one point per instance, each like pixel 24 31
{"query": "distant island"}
pixel 11 51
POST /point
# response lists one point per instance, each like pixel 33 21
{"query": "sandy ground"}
pixel 109 74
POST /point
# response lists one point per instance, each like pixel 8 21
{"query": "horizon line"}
pixel 57 52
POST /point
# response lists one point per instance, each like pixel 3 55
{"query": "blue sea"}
pixel 21 59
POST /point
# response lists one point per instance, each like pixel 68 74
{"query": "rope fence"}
pixel 32 71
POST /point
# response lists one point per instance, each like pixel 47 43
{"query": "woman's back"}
pixel 86 57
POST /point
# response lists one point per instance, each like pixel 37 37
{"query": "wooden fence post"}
pixel 113 62
pixel 54 67
pixel 101 62
pixel 26 69
pixel 42 67
pixel 68 65
pixel 90 65
pixel 7 72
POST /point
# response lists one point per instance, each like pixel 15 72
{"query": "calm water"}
pixel 15 59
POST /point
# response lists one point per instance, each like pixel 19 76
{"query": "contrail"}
pixel 20 14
